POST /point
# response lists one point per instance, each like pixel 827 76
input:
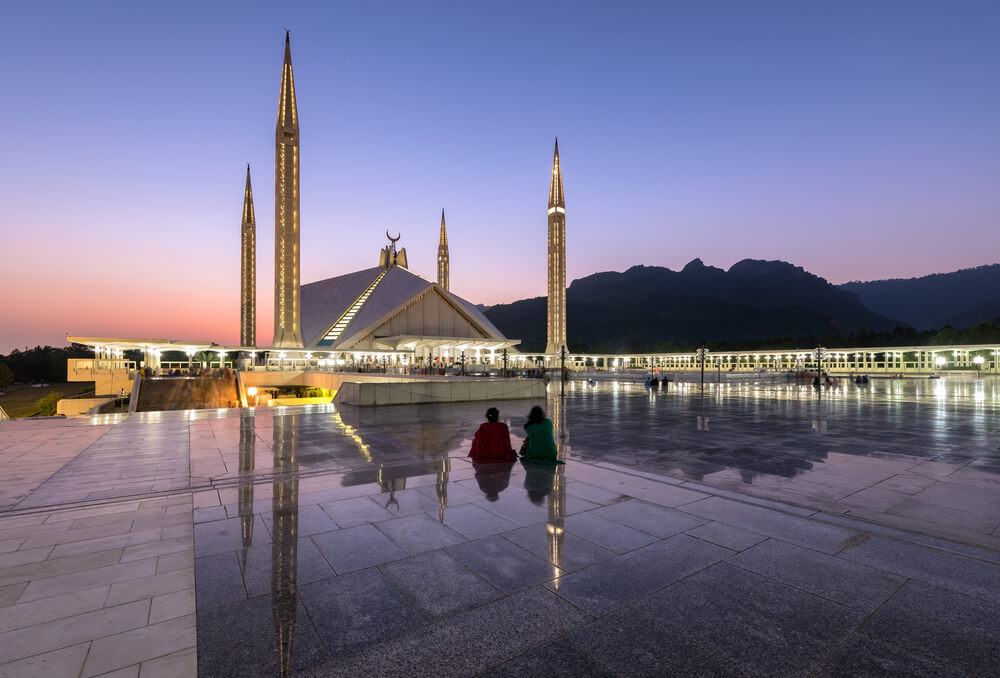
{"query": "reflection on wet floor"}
pixel 367 507
pixel 383 495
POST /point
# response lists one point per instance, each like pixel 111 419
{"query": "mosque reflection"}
pixel 429 448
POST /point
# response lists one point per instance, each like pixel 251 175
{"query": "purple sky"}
pixel 860 140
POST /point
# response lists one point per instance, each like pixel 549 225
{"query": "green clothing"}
pixel 541 443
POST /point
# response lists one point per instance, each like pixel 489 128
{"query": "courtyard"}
pixel 753 527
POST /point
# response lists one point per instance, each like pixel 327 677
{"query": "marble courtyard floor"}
pixel 748 529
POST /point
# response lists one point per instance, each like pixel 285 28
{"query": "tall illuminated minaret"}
pixel 557 261
pixel 287 310
pixel 248 271
pixel 444 271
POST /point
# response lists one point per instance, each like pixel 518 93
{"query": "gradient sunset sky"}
pixel 860 140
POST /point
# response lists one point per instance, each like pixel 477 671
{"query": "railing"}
pixel 81 368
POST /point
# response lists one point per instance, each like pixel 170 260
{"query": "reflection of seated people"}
pixel 492 441
pixel 538 480
pixel 493 478
pixel 540 447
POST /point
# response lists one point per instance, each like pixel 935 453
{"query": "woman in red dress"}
pixel 492 441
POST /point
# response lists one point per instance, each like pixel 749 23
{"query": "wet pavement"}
pixel 752 528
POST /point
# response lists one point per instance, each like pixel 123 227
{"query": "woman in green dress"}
pixel 540 445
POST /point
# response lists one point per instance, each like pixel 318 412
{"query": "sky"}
pixel 860 140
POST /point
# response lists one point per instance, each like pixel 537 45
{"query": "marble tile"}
pixel 943 626
pixel 844 581
pixel 443 648
pixel 725 535
pixel 356 511
pixel 756 600
pixel 574 552
pixel 78 581
pixel 650 518
pixel 437 585
pixel 65 662
pixel 254 638
pixel 473 522
pixel 606 533
pixel 258 570
pixel 52 609
pixel 138 645
pixel 608 584
pixel 419 533
pixel 966 575
pixel 218 580
pixel 184 663
pixel 356 548
pixel 311 520
pixel 172 605
pixel 220 536
pixel 64 632
pixel 10 593
pixel 864 656
pixel 504 564
pixel 357 610
pixel 58 566
pixel 795 529
pixel 558 659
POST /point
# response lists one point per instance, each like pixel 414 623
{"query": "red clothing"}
pixel 492 443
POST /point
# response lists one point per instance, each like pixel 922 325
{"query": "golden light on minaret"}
pixel 248 270
pixel 556 329
pixel 287 308
pixel 444 270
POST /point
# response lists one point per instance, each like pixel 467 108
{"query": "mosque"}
pixel 385 314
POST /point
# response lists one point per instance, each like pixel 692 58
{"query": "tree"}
pixel 6 376
pixel 46 407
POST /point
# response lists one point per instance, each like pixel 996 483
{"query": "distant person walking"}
pixel 540 445
pixel 492 441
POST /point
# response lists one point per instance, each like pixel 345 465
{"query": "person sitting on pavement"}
pixel 540 445
pixel 492 441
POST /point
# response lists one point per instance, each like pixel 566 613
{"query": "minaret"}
pixel 287 311
pixel 248 271
pixel 557 261
pixel 444 271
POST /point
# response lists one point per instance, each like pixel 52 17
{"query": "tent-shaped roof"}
pixel 333 295
pixel 338 312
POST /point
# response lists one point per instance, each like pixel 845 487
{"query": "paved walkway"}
pixel 316 542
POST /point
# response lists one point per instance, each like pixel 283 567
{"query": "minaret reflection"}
pixel 284 551
pixel 442 486
pixel 245 493
pixel 557 499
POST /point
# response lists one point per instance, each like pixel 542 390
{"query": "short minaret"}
pixel 248 270
pixel 557 261
pixel 287 309
pixel 444 271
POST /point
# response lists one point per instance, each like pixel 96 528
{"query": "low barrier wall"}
pixel 72 407
pixel 415 392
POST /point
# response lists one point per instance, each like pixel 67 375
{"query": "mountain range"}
pixel 960 299
pixel 653 306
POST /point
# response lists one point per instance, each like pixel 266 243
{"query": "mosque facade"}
pixel 387 307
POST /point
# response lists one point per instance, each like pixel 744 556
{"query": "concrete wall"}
pixel 328 380
pixel 72 407
pixel 413 392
